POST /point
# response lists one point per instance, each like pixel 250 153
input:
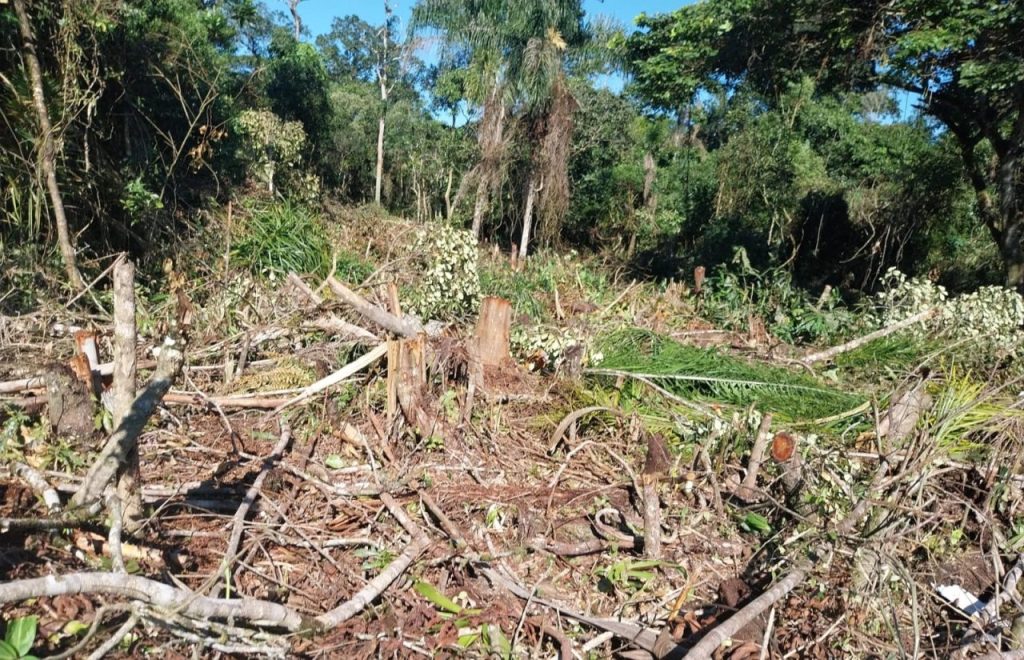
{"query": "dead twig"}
pixel 748 489
pixel 37 482
pixel 375 587
pixel 640 636
pixel 709 643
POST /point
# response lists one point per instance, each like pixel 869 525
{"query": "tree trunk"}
pixel 48 151
pixel 448 195
pixel 293 6
pixel 531 198
pixel 125 336
pixel 481 203
pixel 1012 250
pixel 380 156
pixel 383 60
pixel 493 329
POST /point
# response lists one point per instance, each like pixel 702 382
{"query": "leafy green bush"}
pixel 281 237
pixel 733 294
pixel 269 144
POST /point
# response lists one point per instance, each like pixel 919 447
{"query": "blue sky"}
pixel 317 14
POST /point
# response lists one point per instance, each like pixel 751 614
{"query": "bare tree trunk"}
pixel 293 6
pixel 650 176
pixel 129 480
pixel 48 150
pixel 380 151
pixel 531 198
pixel 448 195
pixel 382 79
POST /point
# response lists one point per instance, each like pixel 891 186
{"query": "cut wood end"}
pixel 783 446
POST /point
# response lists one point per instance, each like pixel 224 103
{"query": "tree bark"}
pixel 380 152
pixel 493 329
pixel 382 81
pixel 129 479
pixel 113 456
pixel 1012 250
pixel 480 206
pixel 48 149
pixel 293 6
pixel 531 199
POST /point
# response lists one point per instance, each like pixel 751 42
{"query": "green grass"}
pixel 281 237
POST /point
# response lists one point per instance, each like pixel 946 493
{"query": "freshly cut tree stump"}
pixel 492 331
pixel 69 401
pixel 408 381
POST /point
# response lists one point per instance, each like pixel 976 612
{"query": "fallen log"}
pixel 405 326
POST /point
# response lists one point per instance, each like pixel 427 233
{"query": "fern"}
pixel 709 375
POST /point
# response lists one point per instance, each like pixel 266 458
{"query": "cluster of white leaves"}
pixel 269 142
pixel 992 316
pixel 551 346
pixel 450 286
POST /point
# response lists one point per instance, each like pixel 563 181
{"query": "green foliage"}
pixel 733 294
pixel 923 47
pixel 450 284
pixel 708 375
pixel 11 442
pixel 966 412
pixel 375 560
pixel 138 200
pixel 630 575
pixel 280 237
pixel 269 144
pixel 17 642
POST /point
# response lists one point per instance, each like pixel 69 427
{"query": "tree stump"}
pixel 492 331
pixel 69 401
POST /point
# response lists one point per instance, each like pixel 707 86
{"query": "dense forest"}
pixel 505 328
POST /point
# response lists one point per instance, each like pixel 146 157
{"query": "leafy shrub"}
pixel 991 317
pixel 450 286
pixel 137 200
pixel 281 237
pixel 733 294
pixel 269 144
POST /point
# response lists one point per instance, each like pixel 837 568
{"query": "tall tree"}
pixel 47 148
pixel 963 61
pixel 519 53
pixel 355 49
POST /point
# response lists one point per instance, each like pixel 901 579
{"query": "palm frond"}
pixel 711 376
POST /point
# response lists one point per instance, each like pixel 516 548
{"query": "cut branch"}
pixel 405 326
pixel 124 439
pixel 854 344
pixel 257 612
